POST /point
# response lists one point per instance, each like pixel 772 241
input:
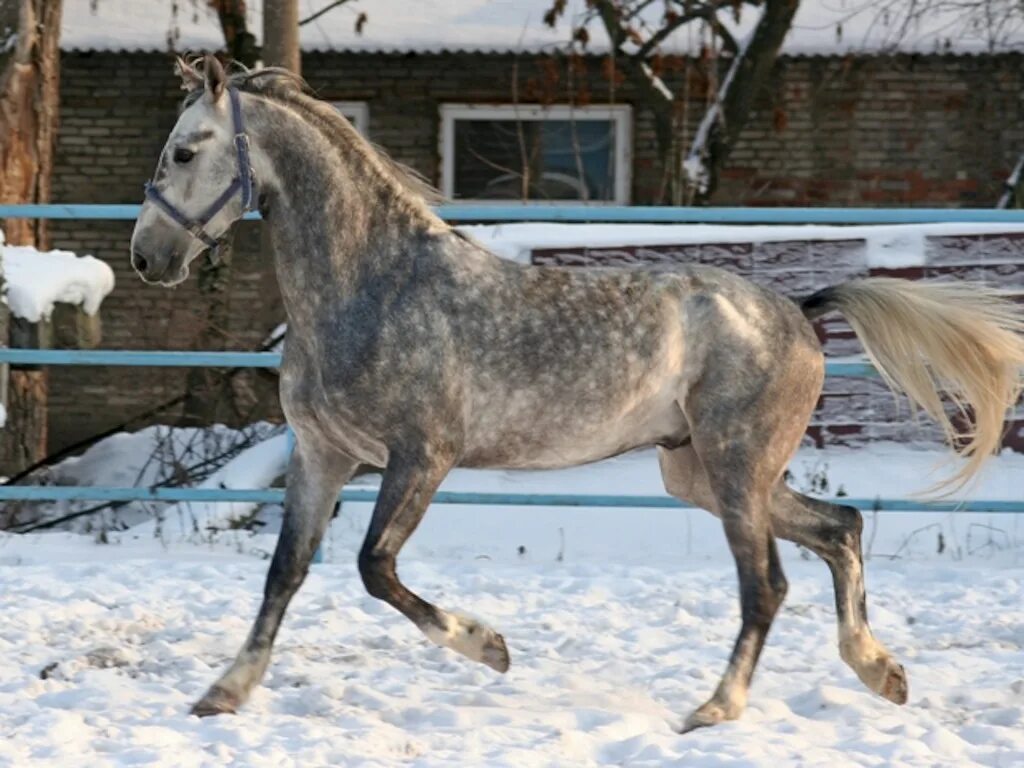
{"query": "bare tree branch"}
pixel 708 12
pixel 329 7
pixel 728 112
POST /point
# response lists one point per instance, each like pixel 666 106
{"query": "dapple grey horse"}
pixel 415 350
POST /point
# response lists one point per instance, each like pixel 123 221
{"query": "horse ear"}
pixel 216 79
pixel 190 79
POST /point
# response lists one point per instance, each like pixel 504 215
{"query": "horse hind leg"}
pixel 732 489
pixel 405 493
pixel 833 532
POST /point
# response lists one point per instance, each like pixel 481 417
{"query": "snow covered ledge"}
pixel 34 282
pixel 37 280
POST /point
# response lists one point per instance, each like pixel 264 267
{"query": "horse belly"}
pixel 563 434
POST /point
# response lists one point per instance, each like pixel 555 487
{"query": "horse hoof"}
pixel 217 701
pixel 894 686
pixel 712 712
pixel 472 639
pixel 495 654
pixel 702 718
pixel 885 677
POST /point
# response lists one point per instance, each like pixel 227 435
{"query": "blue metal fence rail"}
pixel 141 358
pixel 276 496
pixel 163 359
pixel 468 214
pixel 461 213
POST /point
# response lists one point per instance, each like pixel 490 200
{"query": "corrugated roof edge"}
pixel 506 52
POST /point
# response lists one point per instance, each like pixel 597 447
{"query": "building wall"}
pixel 905 130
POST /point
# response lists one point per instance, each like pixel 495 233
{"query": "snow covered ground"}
pixel 618 621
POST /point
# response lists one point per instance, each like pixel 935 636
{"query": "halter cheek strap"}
pixel 243 183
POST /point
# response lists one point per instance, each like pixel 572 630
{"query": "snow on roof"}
pixel 36 280
pixel 821 27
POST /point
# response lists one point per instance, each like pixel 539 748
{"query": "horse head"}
pixel 203 182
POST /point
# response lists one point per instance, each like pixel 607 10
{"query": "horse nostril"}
pixel 139 262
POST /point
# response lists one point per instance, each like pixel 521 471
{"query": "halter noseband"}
pixel 243 183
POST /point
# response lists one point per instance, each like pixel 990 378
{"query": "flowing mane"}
pixel 287 88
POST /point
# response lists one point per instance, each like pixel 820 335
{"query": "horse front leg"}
pixel 315 478
pixel 409 483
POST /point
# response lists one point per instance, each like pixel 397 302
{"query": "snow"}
pixel 887 246
pixel 658 83
pixel 36 280
pixel 255 467
pixel 215 457
pixel 820 27
pixel 618 622
pixel 1010 185
pixel 274 342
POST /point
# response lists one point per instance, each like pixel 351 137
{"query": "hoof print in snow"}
pixel 108 658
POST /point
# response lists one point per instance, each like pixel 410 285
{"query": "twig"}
pixel 172 482
pixel 911 536
pixel 321 12
pixel 991 542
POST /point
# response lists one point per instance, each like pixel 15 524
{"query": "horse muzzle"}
pixel 156 268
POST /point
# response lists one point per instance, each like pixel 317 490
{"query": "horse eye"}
pixel 182 155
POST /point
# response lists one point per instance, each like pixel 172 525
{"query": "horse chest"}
pixel 329 414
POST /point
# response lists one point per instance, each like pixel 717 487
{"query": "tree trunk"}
pixel 752 73
pixel 29 91
pixel 25 431
pixel 241 43
pixel 29 88
pixel 281 34
pixel 208 394
pixel 727 115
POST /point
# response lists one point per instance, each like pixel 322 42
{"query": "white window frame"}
pixel 358 113
pixel 621 115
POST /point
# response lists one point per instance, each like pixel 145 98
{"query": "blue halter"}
pixel 243 183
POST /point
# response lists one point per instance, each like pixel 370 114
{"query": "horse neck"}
pixel 336 217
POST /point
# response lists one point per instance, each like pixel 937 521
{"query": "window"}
pixel 357 112
pixel 543 154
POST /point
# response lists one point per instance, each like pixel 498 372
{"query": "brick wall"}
pixel 906 130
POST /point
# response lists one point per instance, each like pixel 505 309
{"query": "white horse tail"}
pixel 963 339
